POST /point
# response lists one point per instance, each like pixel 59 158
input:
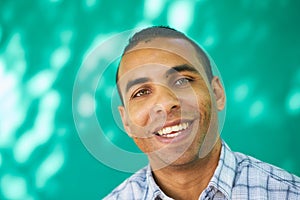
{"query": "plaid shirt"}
pixel 237 176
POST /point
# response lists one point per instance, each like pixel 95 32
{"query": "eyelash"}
pixel 147 91
pixel 187 79
pixel 137 94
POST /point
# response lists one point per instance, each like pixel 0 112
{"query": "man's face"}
pixel 168 108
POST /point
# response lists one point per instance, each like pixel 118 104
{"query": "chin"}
pixel 185 160
pixel 176 161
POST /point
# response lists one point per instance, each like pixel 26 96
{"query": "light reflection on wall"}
pixel 256 109
pixel 25 133
pixel 294 102
pixel 241 92
pixel 183 20
pixel 0 160
pixel 50 166
pixel 14 187
pixel 13 66
pixel 153 8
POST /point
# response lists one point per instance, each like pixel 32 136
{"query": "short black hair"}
pixel 150 33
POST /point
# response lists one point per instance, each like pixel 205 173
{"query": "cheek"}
pixel 203 98
pixel 201 102
pixel 188 98
pixel 138 113
pixel 143 144
pixel 198 99
pixel 205 109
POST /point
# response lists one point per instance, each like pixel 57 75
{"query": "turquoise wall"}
pixel 43 43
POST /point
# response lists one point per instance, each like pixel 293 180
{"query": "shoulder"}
pixel 132 188
pixel 263 178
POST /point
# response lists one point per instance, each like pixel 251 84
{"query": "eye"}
pixel 141 93
pixel 182 82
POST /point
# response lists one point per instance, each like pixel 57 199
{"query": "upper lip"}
pixel 171 123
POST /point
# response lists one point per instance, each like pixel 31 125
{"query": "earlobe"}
pixel 124 120
pixel 219 93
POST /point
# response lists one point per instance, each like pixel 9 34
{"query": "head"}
pixel 150 33
pixel 170 97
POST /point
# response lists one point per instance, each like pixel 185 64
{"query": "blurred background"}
pixel 255 44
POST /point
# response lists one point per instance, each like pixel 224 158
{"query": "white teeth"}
pixel 166 131
pixel 175 128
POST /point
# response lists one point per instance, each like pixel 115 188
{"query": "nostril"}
pixel 174 107
pixel 158 112
pixel 158 109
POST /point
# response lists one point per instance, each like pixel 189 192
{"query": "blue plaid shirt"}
pixel 237 176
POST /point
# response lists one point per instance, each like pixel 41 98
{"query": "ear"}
pixel 219 92
pixel 123 115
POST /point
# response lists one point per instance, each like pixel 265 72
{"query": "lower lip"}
pixel 181 136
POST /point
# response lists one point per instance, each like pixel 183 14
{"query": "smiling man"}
pixel 170 109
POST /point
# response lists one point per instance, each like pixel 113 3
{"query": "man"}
pixel 170 104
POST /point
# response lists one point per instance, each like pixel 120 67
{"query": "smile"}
pixel 173 131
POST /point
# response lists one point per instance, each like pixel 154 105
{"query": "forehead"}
pixel 160 51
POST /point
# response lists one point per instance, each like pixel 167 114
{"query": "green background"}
pixel 255 44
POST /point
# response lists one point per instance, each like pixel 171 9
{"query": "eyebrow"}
pixel 136 82
pixel 181 68
pixel 175 69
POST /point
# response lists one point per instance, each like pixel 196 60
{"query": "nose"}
pixel 166 102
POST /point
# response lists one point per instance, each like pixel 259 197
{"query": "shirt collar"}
pixel 222 180
pixel 153 191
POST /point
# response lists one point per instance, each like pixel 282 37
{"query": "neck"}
pixel 189 180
